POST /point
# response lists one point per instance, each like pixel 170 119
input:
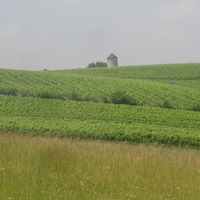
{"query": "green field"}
pixel 172 86
pixel 88 103
pixel 104 133
pixel 99 121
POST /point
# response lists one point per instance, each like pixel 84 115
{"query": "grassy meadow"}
pixel 52 168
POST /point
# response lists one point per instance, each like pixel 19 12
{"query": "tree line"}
pixel 97 64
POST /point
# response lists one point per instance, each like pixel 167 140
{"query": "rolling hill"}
pixel 89 103
pixel 173 86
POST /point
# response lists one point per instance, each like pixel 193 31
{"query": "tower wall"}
pixel 112 62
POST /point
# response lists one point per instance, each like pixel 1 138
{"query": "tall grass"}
pixel 53 168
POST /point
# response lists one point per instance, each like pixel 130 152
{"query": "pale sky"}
pixel 66 34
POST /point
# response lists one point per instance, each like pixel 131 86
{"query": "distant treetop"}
pixel 97 64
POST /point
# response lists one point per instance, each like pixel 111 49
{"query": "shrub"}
pixel 75 96
pixel 121 97
pixel 196 108
pixel 9 91
pixel 166 104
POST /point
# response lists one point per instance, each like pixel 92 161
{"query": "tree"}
pixel 97 64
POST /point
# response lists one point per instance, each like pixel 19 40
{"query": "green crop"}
pixel 169 86
pixel 99 121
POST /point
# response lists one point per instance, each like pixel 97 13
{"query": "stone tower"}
pixel 112 60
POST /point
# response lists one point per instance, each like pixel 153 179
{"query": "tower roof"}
pixel 112 56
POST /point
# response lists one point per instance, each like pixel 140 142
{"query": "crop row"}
pixel 99 121
pixel 53 84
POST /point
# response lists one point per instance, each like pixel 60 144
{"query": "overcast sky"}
pixel 66 34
